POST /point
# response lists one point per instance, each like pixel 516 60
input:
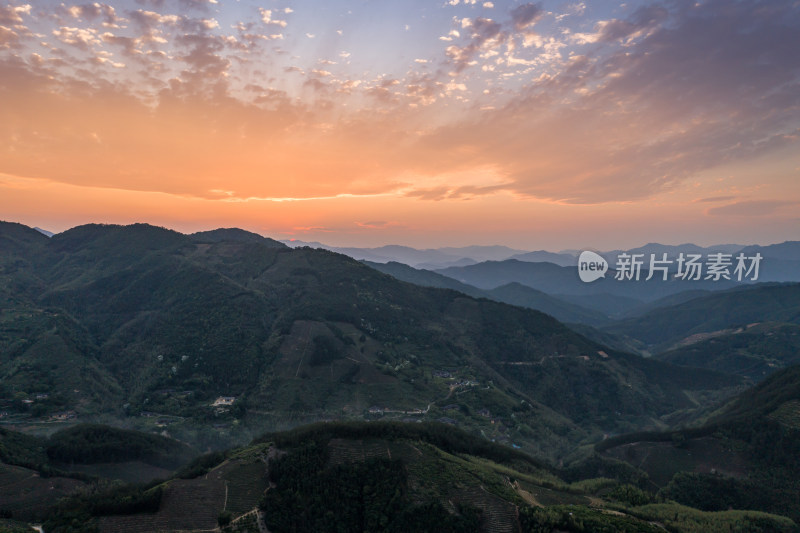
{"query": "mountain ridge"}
pixel 301 334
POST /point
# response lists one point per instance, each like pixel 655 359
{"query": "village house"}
pixel 224 400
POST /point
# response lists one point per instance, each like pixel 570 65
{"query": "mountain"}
pixel 776 398
pixel 492 274
pixel 234 235
pixel 747 456
pixel 523 296
pixel 212 342
pixel 513 293
pixel 780 262
pixel 687 248
pixel 611 305
pixel 564 281
pixel 401 254
pixel 666 301
pixel 464 261
pixel 17 239
pixel 425 259
pixel 663 328
pixel 386 477
pixel 37 471
pixel 543 256
pixel 482 253
pixel 424 278
pixel 789 250
pixel 753 351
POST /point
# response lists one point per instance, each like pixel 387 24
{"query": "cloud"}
pixel 435 193
pixel 485 34
pixel 266 18
pixel 378 224
pixel 13 14
pixel 750 208
pixel 629 120
pixel 446 192
pixel 643 20
pixel 526 15
pixel 129 45
pixel 202 56
pixel 96 11
pixel 78 37
pixel 198 4
pixel 151 19
pixel 713 199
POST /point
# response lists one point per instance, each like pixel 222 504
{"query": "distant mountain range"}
pixel 781 261
pixel 512 293
pixel 428 259
pixel 675 321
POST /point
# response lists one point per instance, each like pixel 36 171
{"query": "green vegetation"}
pixel 211 338
pixel 383 476
pixel 753 352
pixel 444 437
pixel 79 512
pixel 369 496
pixel 21 449
pixel 765 398
pixel 91 443
pixel 664 327
pixel 580 520
pixel 149 327
pixel 759 453
pixel 9 526
pixel 201 465
pixel 684 519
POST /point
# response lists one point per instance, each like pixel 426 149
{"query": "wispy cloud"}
pixel 751 208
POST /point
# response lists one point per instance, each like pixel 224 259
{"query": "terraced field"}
pixel 195 504
pixel 662 460
pixel 247 523
pixel 499 516
pixel 545 496
pixel 349 451
pixel 788 414
pixel 27 495
pixel 246 483
pixel 130 472
pixel 432 472
pixel 188 504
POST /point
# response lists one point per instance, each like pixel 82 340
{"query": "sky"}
pixel 545 125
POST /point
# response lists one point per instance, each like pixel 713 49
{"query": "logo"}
pixel 591 266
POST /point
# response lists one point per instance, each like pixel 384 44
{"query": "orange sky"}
pixel 544 125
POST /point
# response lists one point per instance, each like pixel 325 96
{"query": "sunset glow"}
pixel 546 125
